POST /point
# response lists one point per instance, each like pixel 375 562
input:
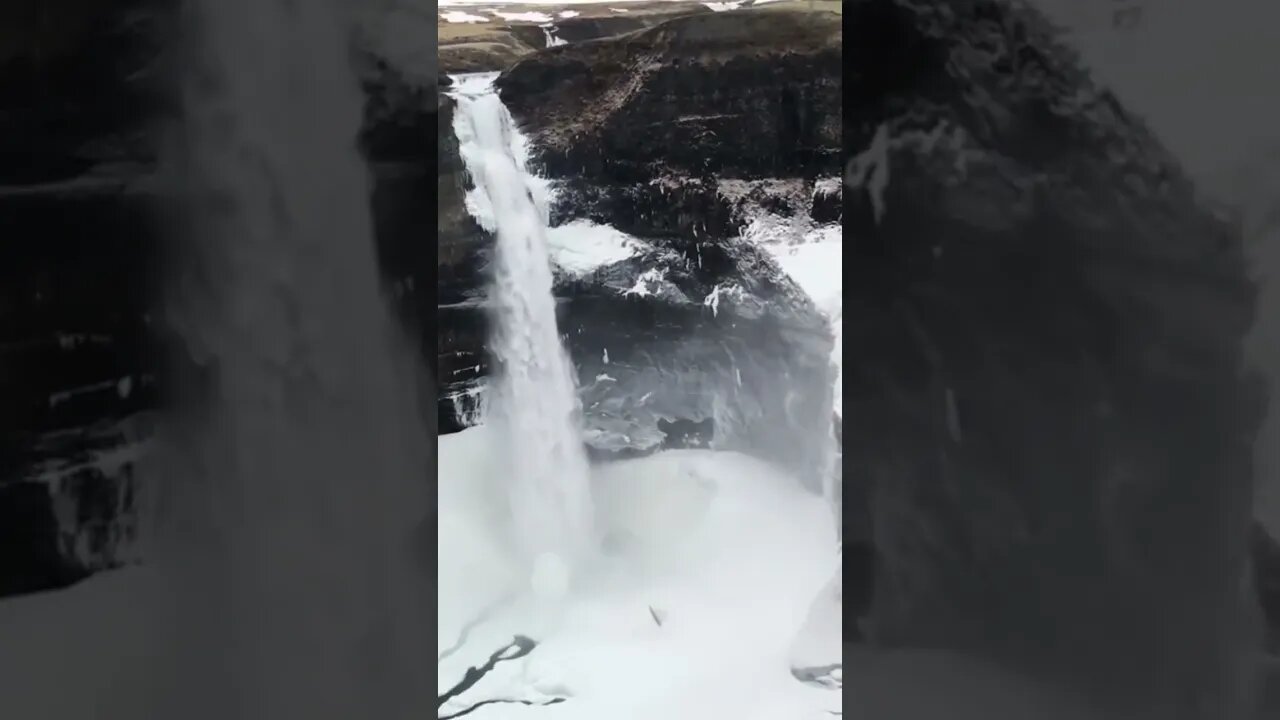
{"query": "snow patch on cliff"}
pixel 581 246
pixel 459 16
pixel 813 257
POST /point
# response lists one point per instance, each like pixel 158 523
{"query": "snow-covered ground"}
pixel 702 599
pixel 813 256
pixel 703 602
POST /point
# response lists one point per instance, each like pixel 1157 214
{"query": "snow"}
pixel 61 396
pixel 459 16
pixel 646 282
pixel 535 17
pixel 566 14
pixel 813 257
pixel 84 652
pixel 814 263
pixel 723 6
pixel 714 563
pixel 581 246
pixel 720 293
pixel 89 652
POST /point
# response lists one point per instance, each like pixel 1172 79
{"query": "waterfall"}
pixel 295 486
pixel 533 396
pixel 552 40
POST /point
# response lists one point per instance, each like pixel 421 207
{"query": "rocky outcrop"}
pixel 660 342
pixel 1048 419
pixel 604 116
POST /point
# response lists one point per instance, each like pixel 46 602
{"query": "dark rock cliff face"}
pixel 461 257
pixel 1049 421
pixel 461 241
pixel 605 116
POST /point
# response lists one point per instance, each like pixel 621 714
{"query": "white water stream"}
pixel 533 400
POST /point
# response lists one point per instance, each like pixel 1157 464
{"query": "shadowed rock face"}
pixel 1048 420
pixel 462 243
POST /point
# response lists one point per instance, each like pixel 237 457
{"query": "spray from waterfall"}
pixel 533 396
pixel 296 485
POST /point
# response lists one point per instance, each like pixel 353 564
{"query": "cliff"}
pixel 750 95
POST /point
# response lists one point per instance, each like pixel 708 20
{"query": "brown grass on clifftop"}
pixel 466 47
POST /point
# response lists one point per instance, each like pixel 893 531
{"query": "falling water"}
pixel 534 398
pixel 552 40
pixel 286 518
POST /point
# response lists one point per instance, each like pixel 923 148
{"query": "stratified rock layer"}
pixel 642 129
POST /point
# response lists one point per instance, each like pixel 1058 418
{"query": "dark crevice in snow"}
pixel 827 676
pixel 477 706
pixel 466 629
pixel 519 647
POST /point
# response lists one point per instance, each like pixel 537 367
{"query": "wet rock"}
pixel 678 433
